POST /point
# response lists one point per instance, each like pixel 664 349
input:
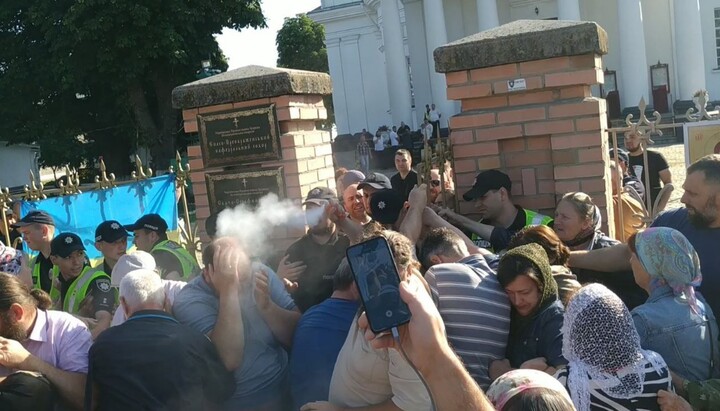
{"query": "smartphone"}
pixel 378 283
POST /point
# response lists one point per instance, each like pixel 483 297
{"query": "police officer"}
pixel 172 260
pixel 501 218
pixel 37 229
pixel 111 241
pixel 84 291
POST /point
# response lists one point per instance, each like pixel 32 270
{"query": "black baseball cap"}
pixel 110 231
pixel 621 154
pixel 385 206
pixel 35 217
pixel 486 181
pixel 375 180
pixel 65 244
pixel 320 196
pixel 152 222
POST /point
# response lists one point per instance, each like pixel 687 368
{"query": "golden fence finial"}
pixel 73 183
pixel 701 98
pixel 34 192
pixel 140 174
pixel 643 128
pixel 182 173
pixel 104 180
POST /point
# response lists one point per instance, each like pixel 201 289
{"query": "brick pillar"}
pixel 306 151
pixel 549 134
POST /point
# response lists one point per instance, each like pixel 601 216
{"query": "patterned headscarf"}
pixel 670 260
pixel 538 256
pixel 515 382
pixel 602 345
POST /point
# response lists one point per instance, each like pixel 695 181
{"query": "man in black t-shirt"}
pixel 321 250
pixel 406 178
pixel 658 169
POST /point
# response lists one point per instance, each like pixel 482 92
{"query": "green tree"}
pixel 105 70
pixel 301 45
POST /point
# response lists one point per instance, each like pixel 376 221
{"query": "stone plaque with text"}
pixel 230 188
pixel 240 136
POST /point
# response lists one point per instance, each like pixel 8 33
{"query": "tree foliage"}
pixel 301 45
pixel 105 70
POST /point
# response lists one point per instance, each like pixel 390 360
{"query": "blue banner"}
pixel 82 213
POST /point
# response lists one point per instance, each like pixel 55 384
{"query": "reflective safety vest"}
pixel 55 273
pixel 532 218
pixel 190 267
pixel 77 291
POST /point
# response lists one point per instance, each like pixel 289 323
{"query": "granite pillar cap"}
pixel 249 83
pixel 519 41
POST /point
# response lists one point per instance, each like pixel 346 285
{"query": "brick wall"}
pixel 306 155
pixel 549 138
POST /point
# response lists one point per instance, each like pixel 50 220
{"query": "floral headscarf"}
pixel 670 260
pixel 515 382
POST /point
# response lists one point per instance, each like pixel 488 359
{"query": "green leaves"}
pixel 54 50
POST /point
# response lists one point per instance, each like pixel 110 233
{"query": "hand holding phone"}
pixel 378 283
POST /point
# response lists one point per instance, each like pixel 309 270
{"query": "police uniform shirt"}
pixel 99 289
pixel 500 237
pixel 45 271
pixel 166 263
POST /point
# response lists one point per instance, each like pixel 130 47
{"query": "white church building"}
pixel 381 51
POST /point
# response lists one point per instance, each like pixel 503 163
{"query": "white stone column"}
pixel 634 69
pixel 690 62
pixel 436 36
pixel 487 14
pixel 339 98
pixel 398 76
pixel 569 10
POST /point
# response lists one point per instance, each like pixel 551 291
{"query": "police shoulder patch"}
pixel 103 284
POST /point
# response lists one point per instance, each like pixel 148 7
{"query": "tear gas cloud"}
pixel 254 227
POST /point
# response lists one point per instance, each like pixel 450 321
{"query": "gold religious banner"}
pixel 229 188
pixel 240 136
pixel 701 138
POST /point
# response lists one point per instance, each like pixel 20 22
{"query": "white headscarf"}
pixel 602 345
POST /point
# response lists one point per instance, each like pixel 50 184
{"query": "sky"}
pixel 257 47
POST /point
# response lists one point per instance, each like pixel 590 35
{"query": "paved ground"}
pixel 674 153
pixel 675 156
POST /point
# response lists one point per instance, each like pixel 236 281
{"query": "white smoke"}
pixel 254 227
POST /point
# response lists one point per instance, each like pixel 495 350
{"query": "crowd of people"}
pixel 375 151
pixel 517 311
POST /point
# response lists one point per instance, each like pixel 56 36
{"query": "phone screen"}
pixel 378 283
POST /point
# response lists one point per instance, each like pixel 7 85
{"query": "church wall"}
pixel 418 59
pixel 712 74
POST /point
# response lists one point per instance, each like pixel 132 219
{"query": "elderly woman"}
pixel 364 376
pixel 529 390
pixel 608 369
pixel 577 224
pixel 536 315
pixel 558 254
pixel 675 317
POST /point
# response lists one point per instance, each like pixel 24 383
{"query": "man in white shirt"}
pixel 427 130
pixel 435 117
pixel 394 139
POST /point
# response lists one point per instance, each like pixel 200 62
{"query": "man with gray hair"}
pixel 185 371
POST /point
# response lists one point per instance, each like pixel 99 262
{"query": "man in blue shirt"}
pixel 319 336
pixel 699 221
pixel 250 318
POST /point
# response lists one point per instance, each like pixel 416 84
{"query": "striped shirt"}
pixel 647 400
pixel 476 312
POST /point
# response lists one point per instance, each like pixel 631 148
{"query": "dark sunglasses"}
pixel 435 183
